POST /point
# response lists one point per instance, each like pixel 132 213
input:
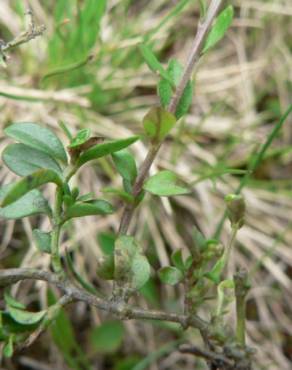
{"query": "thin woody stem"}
pixel 73 293
pixel 31 33
pixel 154 148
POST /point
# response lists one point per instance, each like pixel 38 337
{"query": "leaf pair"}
pixel 35 157
pixel 173 275
pixel 165 89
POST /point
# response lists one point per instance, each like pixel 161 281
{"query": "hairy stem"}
pixel 56 259
pixel 154 148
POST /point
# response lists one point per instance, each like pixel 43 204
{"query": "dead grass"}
pixel 241 90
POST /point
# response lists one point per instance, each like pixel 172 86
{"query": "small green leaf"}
pixel 86 197
pixel 140 270
pixel 164 91
pixel 8 348
pixel 185 101
pixel 108 337
pixel 96 207
pixel 177 259
pixel 23 160
pixel 157 123
pixel 26 317
pixel 120 193
pixel 170 275
pixel 106 242
pixel 30 204
pixel 203 8
pixel 175 71
pixel 219 28
pixel 37 137
pixel 10 301
pixel 81 137
pixel 126 249
pixel 215 274
pixel 125 164
pixel 153 63
pixel 29 183
pixel 103 149
pixel 42 240
pixel 164 183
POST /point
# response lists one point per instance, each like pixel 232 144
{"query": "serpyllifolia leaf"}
pixel 23 160
pixel 157 123
pixel 219 28
pixel 170 275
pixel 30 204
pixel 103 149
pixel 42 240
pixel 37 137
pixel 29 183
pixel 164 183
pixel 125 164
pixel 91 208
pixel 166 91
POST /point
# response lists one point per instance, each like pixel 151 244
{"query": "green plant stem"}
pixel 56 259
pixel 230 244
pixel 241 290
pixel 154 148
pixel 255 162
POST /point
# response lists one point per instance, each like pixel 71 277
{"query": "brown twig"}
pixel 154 148
pixel 31 33
pixel 207 355
pixel 73 293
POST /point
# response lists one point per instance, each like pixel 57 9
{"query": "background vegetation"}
pixel 86 71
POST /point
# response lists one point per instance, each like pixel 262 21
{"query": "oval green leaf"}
pixel 81 137
pixel 23 160
pixel 140 270
pixel 37 137
pixel 170 275
pixel 153 63
pixel 8 348
pixel 103 149
pixel 164 183
pixel 96 207
pixel 157 123
pixel 221 25
pixel 125 164
pixel 177 259
pixel 10 301
pixel 107 337
pixel 30 204
pixel 42 240
pixel 25 317
pixel 29 183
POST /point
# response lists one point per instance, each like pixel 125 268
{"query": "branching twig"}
pixel 207 355
pixel 191 62
pixel 31 33
pixel 124 311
